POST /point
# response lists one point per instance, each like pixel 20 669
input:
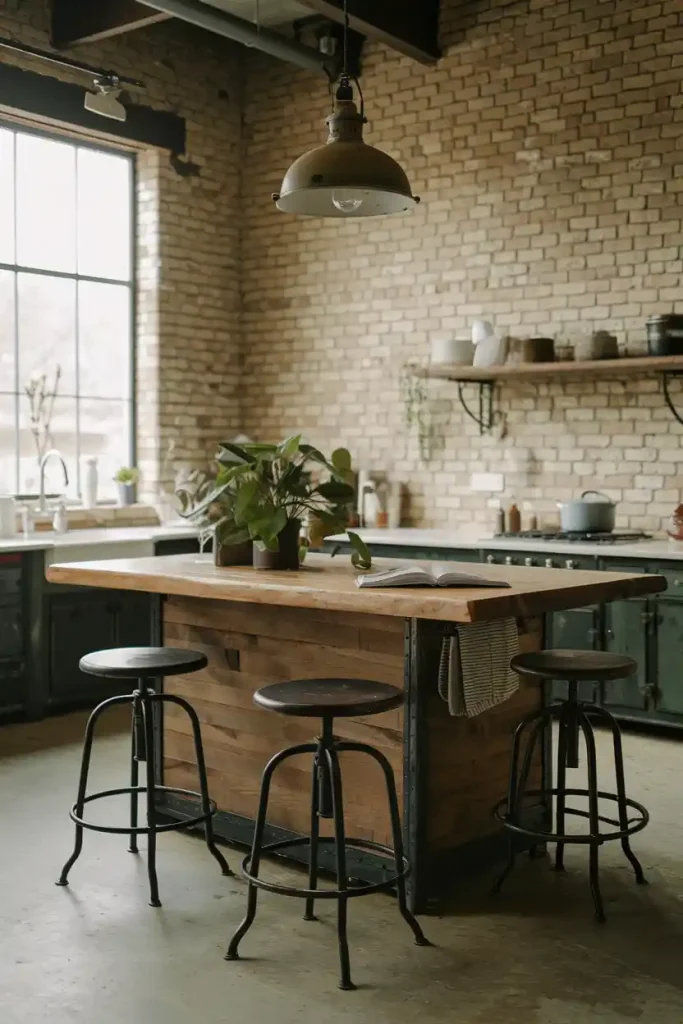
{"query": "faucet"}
pixel 42 503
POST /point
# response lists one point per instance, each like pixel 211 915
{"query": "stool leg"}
pixel 254 859
pixel 604 716
pixel 148 718
pixel 342 877
pixel 561 787
pixel 137 737
pixel 517 783
pixel 83 781
pixel 396 836
pixel 593 812
pixel 201 772
pixel 309 913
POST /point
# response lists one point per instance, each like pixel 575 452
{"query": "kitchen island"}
pixel 258 627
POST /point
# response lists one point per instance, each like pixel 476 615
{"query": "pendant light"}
pixel 345 177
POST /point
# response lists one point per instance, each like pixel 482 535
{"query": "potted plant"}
pixel 126 481
pixel 272 488
pixel 207 499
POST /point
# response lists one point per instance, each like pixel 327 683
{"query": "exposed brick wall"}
pixel 547 146
pixel 189 234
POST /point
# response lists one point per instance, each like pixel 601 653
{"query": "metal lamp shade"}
pixel 348 172
pixel 345 177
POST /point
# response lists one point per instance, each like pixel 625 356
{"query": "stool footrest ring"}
pixel 634 825
pixel 326 894
pixel 142 829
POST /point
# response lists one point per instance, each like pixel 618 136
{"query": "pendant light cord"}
pixel 346 37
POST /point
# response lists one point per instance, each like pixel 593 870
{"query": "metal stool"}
pixel 573 717
pixel 327 699
pixel 143 663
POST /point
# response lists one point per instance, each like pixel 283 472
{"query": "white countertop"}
pixel 47 540
pixel 411 537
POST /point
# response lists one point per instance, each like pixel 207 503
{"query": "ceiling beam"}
pixel 409 26
pixel 84 21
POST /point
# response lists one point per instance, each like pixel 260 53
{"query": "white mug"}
pixel 457 351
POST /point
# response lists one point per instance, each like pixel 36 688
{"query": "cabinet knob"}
pixel 549 564
pixel 609 633
pixel 530 561
pixel 509 560
pixel 491 559
pixel 571 563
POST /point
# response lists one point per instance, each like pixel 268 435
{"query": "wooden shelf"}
pixel 636 366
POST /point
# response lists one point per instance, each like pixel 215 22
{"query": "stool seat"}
pixel 329 698
pixel 141 662
pixel 574 666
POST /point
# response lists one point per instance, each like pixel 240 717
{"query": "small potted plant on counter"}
pixel 126 483
pixel 207 499
pixel 268 490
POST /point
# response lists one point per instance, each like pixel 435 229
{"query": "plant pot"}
pixel 232 554
pixel 287 556
pixel 126 494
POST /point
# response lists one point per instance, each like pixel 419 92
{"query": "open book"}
pixel 439 574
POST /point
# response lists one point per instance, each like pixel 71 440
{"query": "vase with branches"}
pixel 41 398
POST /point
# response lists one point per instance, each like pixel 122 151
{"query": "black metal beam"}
pixel 409 26
pixel 84 21
pixel 55 102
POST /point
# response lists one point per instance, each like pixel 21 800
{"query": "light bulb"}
pixel 347 200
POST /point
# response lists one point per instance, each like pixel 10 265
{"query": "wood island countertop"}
pixel 326 583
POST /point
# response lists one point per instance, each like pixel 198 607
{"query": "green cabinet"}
pixel 80 622
pixel 668 632
pixel 626 632
pixel 576 629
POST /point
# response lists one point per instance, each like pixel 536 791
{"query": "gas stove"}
pixel 622 537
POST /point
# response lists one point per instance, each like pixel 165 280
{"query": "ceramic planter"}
pixel 287 556
pixel 126 494
pixel 232 554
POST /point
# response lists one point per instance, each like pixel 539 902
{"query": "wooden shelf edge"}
pixel 625 367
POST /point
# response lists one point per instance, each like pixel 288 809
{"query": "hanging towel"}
pixel 474 670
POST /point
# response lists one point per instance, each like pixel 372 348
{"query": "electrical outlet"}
pixel 491 482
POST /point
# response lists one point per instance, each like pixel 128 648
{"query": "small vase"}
pixel 90 483
pixel 287 555
pixel 126 494
pixel 232 554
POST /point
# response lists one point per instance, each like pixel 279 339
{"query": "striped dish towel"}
pixel 474 670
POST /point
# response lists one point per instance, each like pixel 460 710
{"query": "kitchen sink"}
pixel 74 547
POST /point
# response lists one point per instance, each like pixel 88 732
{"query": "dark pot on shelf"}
pixel 232 554
pixel 287 555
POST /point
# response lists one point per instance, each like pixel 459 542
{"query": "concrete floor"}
pixel 97 953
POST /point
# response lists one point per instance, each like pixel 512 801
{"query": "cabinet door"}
pixel 134 619
pixel 78 625
pixel 669 620
pixel 626 626
pixel 575 629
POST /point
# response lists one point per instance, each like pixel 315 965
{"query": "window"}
pixel 66 301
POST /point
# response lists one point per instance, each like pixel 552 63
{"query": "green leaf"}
pixel 246 494
pixel 230 453
pixel 360 556
pixel 309 452
pixel 336 491
pixel 341 460
pixel 227 533
pixel 289 448
pixel 206 502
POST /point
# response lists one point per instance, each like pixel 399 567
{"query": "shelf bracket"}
pixel 487 416
pixel 667 395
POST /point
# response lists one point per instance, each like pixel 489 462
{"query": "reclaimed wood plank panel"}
pixel 239 737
